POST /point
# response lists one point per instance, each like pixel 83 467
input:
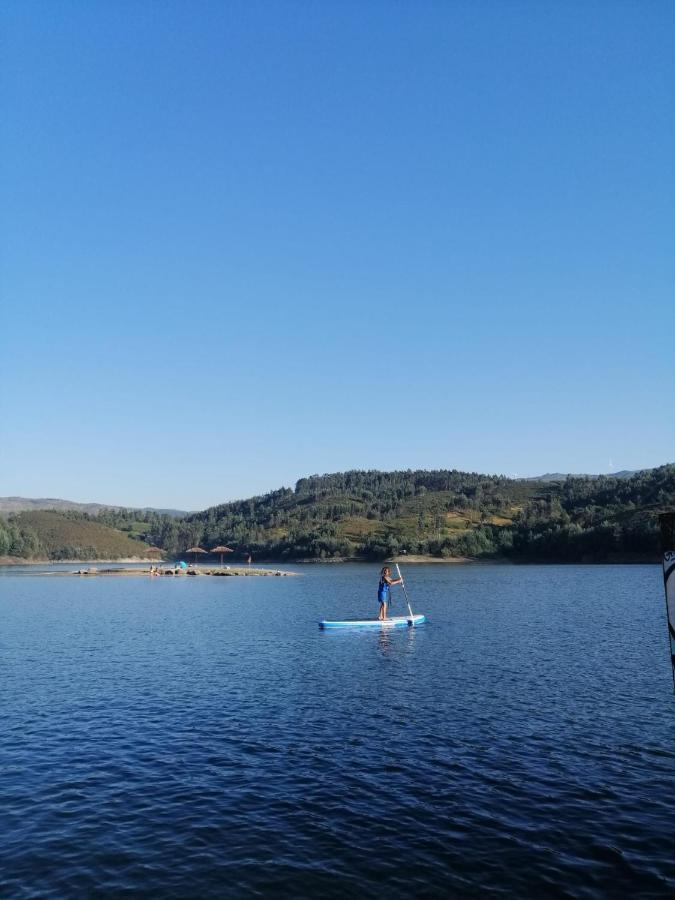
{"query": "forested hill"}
pixel 48 534
pixel 374 515
pixel 441 513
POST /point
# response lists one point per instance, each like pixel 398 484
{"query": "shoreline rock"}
pixel 170 572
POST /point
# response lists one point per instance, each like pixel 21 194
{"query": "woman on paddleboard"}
pixel 384 590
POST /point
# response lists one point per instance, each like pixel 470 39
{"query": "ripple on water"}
pixel 204 739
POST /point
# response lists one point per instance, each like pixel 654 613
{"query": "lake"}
pixel 201 737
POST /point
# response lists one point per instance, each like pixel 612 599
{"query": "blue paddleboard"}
pixel 392 622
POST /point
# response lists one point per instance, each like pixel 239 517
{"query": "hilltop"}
pixel 561 476
pixel 22 504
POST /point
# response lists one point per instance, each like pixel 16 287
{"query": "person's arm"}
pixel 391 580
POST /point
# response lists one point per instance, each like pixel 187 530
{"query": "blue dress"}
pixel 383 591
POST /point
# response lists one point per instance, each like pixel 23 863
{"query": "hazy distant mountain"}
pixel 559 476
pixel 23 504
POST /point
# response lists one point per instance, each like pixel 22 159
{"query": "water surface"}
pixel 200 737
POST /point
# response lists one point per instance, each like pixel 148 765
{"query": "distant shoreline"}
pixel 237 571
pixel 12 561
pixel 20 561
pixel 418 558
pixel 384 562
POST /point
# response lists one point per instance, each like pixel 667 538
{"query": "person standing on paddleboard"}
pixel 384 590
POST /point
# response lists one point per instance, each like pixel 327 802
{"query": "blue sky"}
pixel 246 242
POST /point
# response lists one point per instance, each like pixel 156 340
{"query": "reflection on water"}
pixel 396 641
pixel 384 641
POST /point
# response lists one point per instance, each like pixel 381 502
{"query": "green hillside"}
pixel 55 535
pixel 374 515
pixel 438 513
pixel 370 514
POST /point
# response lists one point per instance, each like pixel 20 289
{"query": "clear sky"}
pixel 244 242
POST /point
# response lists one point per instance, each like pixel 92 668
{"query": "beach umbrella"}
pixel 196 550
pixel 154 550
pixel 220 549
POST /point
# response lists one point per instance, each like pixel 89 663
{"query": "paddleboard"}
pixel 392 622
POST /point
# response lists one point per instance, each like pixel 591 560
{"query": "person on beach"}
pixel 384 590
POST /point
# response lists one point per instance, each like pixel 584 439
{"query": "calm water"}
pixel 202 738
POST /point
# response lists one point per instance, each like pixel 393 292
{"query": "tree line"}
pixel 442 513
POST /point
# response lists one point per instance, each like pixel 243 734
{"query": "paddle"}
pixel 412 618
